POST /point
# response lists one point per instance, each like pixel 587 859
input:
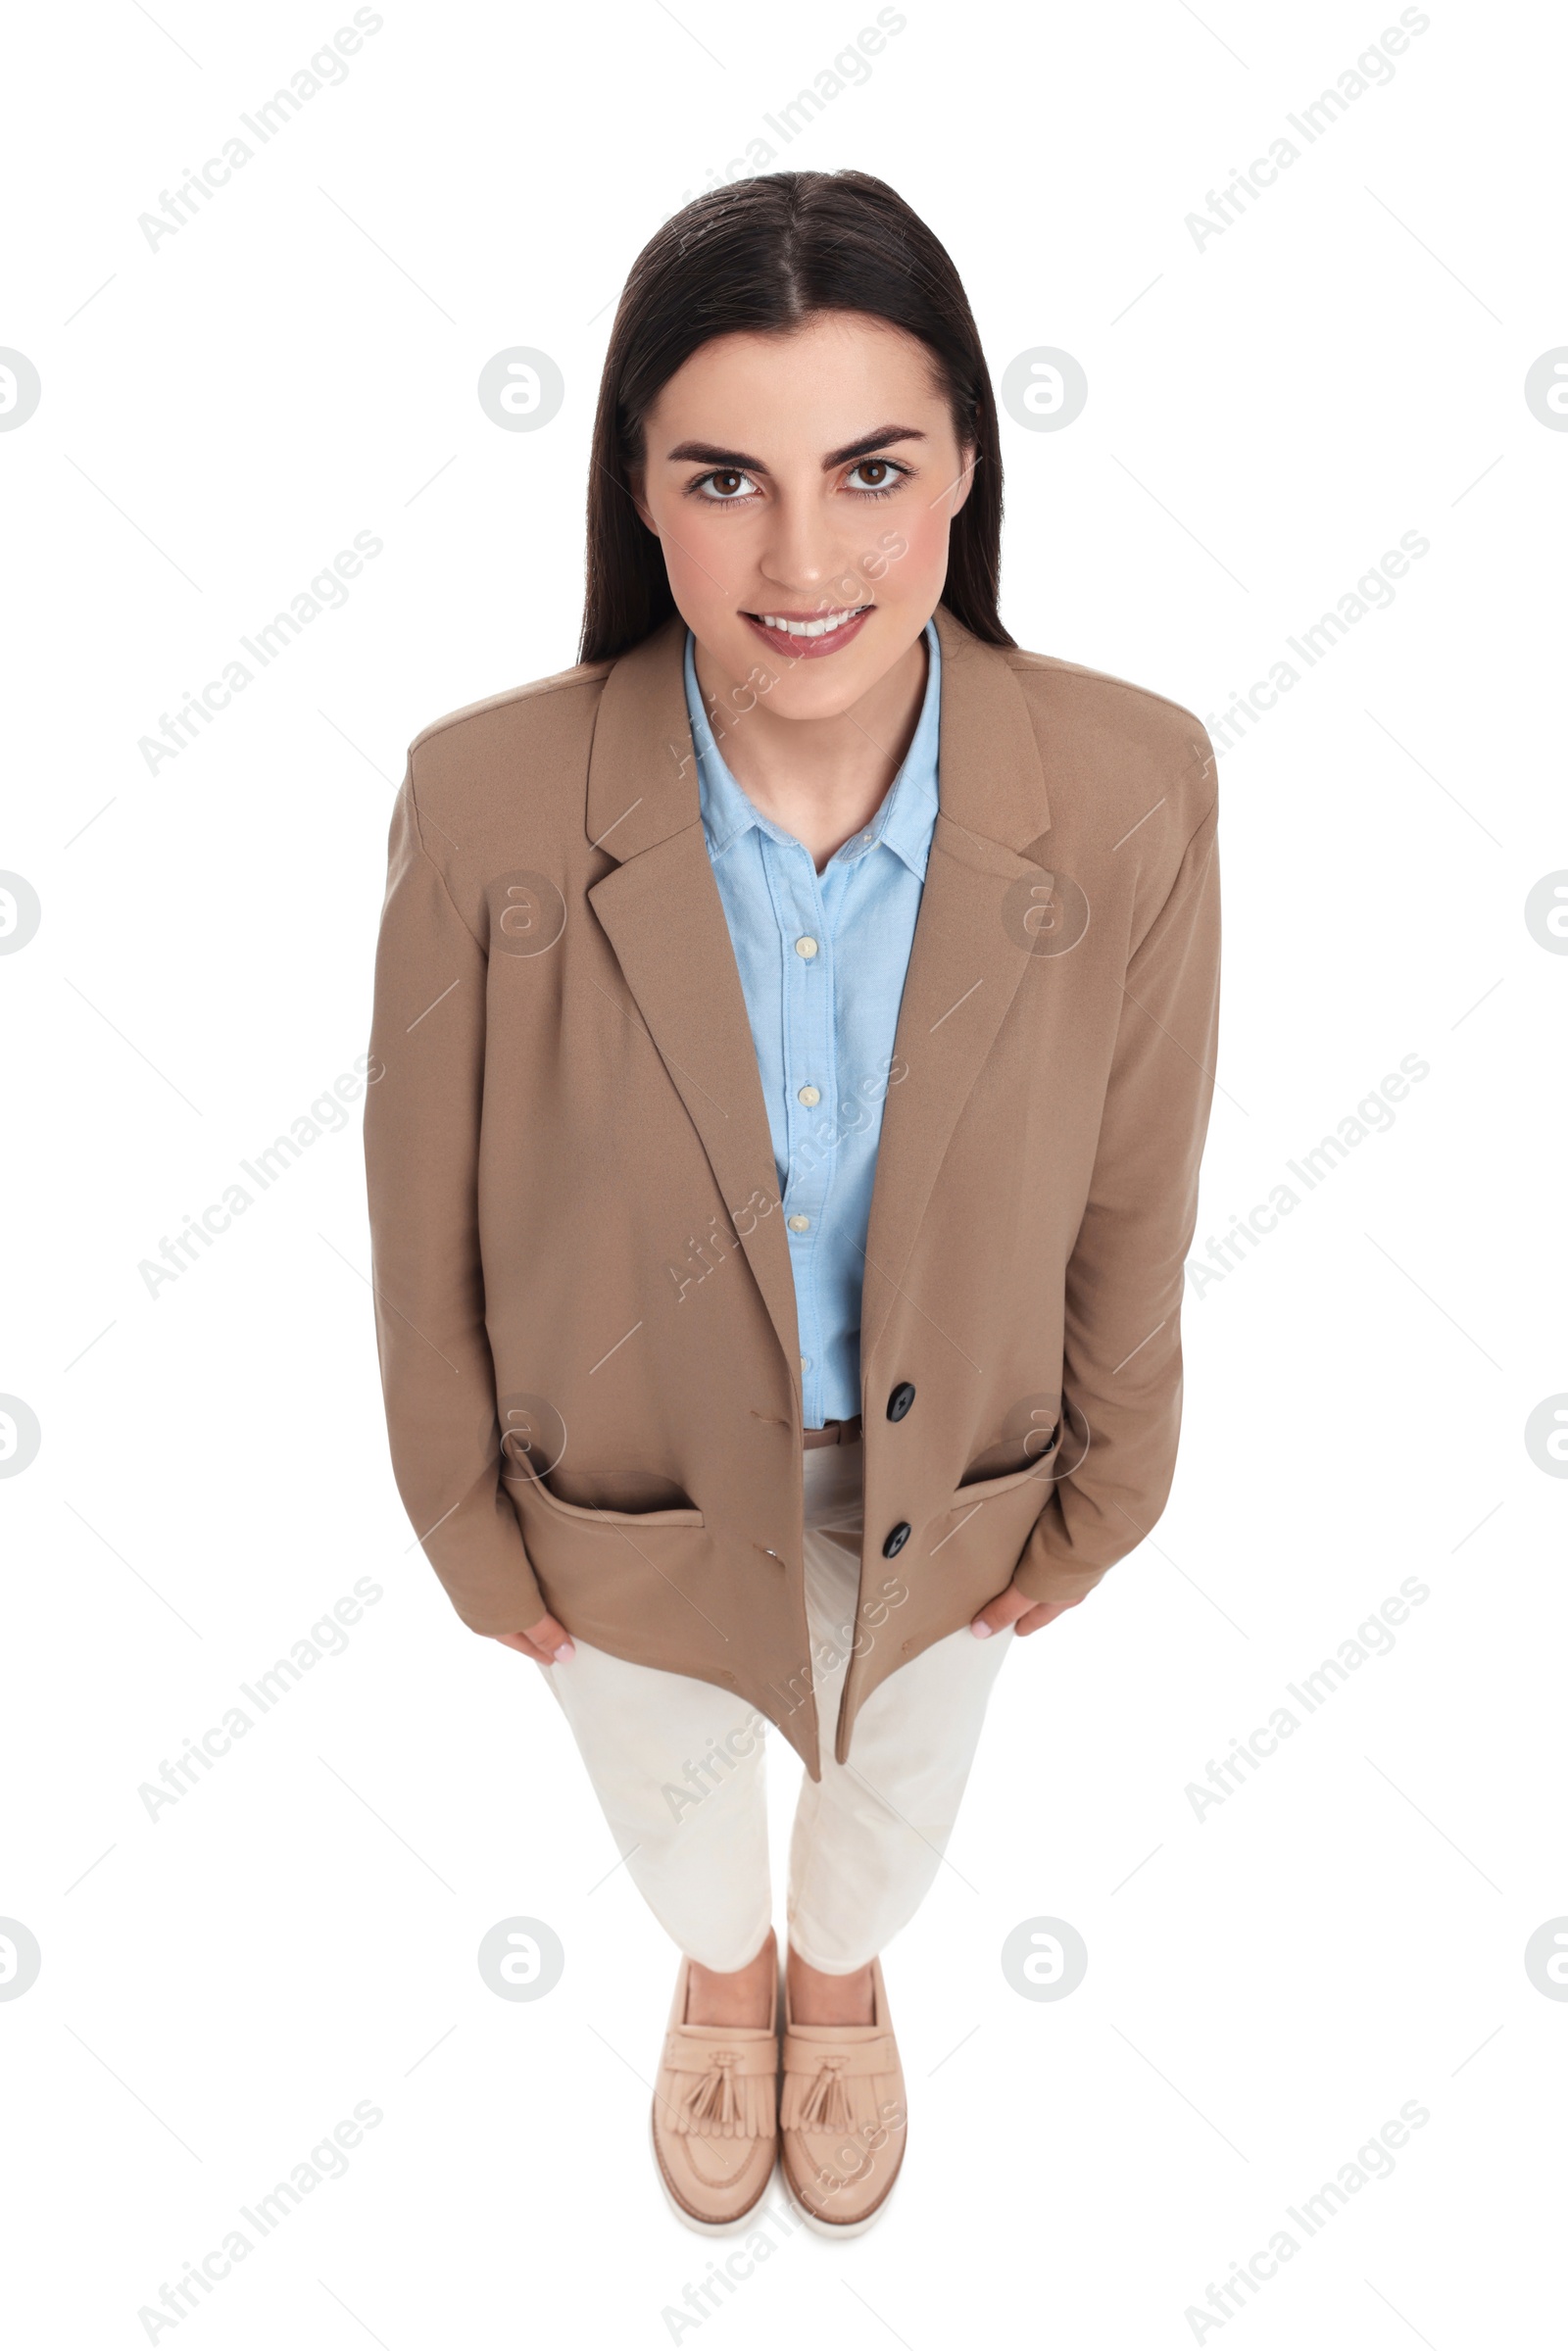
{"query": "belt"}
pixel 833 1432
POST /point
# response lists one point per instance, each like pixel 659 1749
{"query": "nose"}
pixel 803 559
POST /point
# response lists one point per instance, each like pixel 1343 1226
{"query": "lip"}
pixel 808 649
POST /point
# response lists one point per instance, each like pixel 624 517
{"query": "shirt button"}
pixel 800 1224
pixel 805 1363
pixel 805 948
pixel 810 1096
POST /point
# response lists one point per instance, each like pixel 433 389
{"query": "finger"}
pixel 547 1642
pixel 998 1614
pixel 524 1647
pixel 1036 1620
pixel 552 1638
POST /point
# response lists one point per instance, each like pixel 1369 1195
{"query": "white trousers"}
pixel 677 1766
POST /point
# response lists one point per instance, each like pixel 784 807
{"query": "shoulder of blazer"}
pixel 472 773
pixel 586 677
pixel 1017 658
pixel 1120 740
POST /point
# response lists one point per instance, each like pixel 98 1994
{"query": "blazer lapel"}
pixel 663 914
pixel 965 963
pixel 665 922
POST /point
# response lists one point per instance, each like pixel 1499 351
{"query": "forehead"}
pixel 812 386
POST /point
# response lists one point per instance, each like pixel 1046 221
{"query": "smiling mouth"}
pixel 815 625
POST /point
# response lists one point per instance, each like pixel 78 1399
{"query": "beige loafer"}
pixel 843 2121
pixel 715 2116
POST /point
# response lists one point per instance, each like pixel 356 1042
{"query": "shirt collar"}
pixel 905 822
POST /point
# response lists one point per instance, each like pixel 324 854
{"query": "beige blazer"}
pixel 584 1301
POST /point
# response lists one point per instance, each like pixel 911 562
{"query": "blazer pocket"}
pixel 1039 1474
pixel 1019 1455
pixel 528 1488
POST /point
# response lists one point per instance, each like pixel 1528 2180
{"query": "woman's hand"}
pixel 1014 1608
pixel 547 1642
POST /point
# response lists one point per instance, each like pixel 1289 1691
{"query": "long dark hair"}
pixel 767 254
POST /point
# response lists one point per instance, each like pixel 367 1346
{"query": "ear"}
pixel 969 452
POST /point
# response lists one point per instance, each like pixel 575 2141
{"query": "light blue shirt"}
pixel 823 958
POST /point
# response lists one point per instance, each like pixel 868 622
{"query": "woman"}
pixel 797 1025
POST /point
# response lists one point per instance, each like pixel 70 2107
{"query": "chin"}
pixel 823 690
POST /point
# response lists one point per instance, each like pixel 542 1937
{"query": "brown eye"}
pixel 873 477
pixel 723 487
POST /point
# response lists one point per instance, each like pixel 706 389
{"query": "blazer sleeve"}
pixel 1122 1355
pixel 421 1146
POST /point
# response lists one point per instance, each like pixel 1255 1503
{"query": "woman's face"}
pixel 801 486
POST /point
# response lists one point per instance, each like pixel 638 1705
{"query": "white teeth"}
pixel 823 627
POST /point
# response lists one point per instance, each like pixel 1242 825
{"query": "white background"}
pixel 1267 1984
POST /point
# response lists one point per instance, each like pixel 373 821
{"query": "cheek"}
pixel 699 557
pixel 919 572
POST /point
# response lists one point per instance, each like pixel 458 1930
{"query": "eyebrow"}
pixel 703 454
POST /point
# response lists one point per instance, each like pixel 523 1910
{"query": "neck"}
pixel 821 779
